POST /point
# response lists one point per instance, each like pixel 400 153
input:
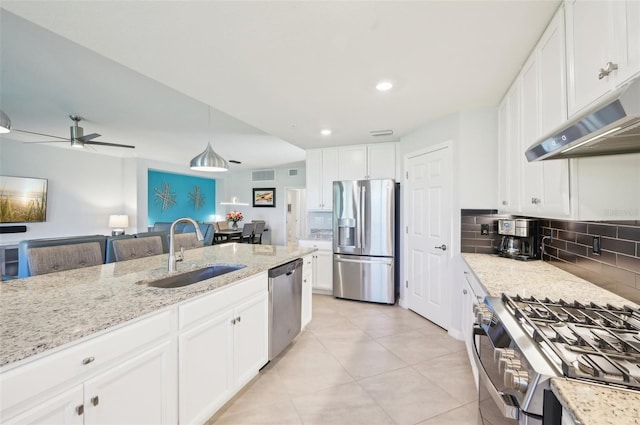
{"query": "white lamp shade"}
pixel 118 221
pixel 209 161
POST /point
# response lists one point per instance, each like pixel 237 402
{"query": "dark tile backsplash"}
pixel 616 268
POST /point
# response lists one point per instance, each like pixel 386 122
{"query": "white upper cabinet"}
pixel 322 170
pixel 361 162
pixel 543 107
pixel 603 48
pixel 509 151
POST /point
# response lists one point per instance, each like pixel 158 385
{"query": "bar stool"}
pixel 58 258
pixel 130 249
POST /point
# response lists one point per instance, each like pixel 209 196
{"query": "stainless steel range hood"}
pixel 611 127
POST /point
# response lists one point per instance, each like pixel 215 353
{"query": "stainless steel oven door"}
pixel 496 407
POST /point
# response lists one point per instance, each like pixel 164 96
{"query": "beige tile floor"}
pixel 361 363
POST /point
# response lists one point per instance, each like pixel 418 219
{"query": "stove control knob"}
pixel 516 380
pixel 506 363
pixel 503 353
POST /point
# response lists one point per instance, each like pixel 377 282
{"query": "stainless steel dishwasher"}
pixel 285 303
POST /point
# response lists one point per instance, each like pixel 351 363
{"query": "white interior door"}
pixel 429 224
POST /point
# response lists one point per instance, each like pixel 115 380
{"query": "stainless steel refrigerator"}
pixel 364 240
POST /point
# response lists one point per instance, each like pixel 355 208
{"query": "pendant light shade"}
pixel 5 123
pixel 209 161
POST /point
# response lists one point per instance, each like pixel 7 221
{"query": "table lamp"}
pixel 118 223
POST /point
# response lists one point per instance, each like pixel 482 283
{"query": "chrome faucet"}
pixel 172 231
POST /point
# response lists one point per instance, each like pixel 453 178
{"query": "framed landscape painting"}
pixel 264 197
pixel 23 199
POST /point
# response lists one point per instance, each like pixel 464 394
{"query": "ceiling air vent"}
pixel 293 172
pixel 381 132
pixel 263 175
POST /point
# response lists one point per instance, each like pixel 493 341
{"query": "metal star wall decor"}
pixel 196 198
pixel 165 196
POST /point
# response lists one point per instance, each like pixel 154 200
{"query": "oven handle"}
pixel 501 400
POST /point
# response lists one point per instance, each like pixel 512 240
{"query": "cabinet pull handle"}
pixel 608 69
pixel 95 400
pixel 535 201
pixel 80 410
pixel 464 291
pixel 233 321
pixel 88 360
pixel 238 319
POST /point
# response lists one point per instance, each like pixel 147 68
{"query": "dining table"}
pixel 224 235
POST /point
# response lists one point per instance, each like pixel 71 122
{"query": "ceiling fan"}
pixel 78 139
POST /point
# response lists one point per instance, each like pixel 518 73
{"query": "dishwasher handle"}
pixel 286 268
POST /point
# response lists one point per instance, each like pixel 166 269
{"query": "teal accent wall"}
pixel 172 196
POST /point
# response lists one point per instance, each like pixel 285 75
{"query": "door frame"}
pixel 301 211
pixel 404 293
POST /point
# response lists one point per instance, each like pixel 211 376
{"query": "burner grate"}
pixel 590 341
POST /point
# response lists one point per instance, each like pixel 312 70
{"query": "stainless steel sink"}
pixel 195 276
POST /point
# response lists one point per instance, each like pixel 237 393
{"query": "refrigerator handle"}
pixel 363 225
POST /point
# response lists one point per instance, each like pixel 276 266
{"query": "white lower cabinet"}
pixel 179 365
pixel 65 408
pixel 138 391
pixel 128 375
pixel 323 272
pixel 223 344
pixel 307 289
pixel 472 294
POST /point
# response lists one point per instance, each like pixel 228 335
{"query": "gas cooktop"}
pixel 586 341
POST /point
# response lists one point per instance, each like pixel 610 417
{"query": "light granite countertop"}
pixel 44 312
pixel 588 404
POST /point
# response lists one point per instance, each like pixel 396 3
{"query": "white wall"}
pixel 239 184
pixel 84 188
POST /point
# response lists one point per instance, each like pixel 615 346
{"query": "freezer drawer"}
pixel 363 278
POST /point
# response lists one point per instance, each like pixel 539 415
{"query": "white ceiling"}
pixel 273 72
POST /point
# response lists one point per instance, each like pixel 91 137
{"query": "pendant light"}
pixel 209 160
pixel 5 123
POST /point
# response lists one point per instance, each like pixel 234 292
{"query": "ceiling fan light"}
pixel 209 161
pixel 75 143
pixel 5 123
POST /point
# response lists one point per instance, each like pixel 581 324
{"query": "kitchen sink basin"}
pixel 195 276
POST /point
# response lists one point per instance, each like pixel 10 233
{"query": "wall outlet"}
pixel 596 245
pixel 484 229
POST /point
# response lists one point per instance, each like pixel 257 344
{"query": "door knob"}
pixel 442 247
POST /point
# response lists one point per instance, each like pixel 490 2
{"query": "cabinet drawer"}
pixel 67 366
pixel 202 308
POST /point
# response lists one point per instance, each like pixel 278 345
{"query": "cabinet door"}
pixel 381 161
pixel 627 36
pixel 589 40
pixel 139 391
pixel 329 175
pixel 314 179
pixel 530 126
pixel 307 289
pixel 514 150
pixel 323 276
pixel 352 162
pixel 503 181
pixel 250 338
pixel 63 409
pixel 553 112
pixel 206 368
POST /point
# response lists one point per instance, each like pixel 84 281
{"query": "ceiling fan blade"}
pixel 115 145
pixel 41 134
pixel 48 141
pixel 88 137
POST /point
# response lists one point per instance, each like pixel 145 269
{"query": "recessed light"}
pixel 384 86
pixel 325 132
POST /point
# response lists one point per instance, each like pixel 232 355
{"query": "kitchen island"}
pixel 80 331
pixel 587 404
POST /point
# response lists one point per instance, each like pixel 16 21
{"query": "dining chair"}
pixel 247 234
pixel 130 249
pixel 51 259
pixel 222 225
pixel 257 232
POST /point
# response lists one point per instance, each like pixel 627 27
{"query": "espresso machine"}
pixel 520 238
